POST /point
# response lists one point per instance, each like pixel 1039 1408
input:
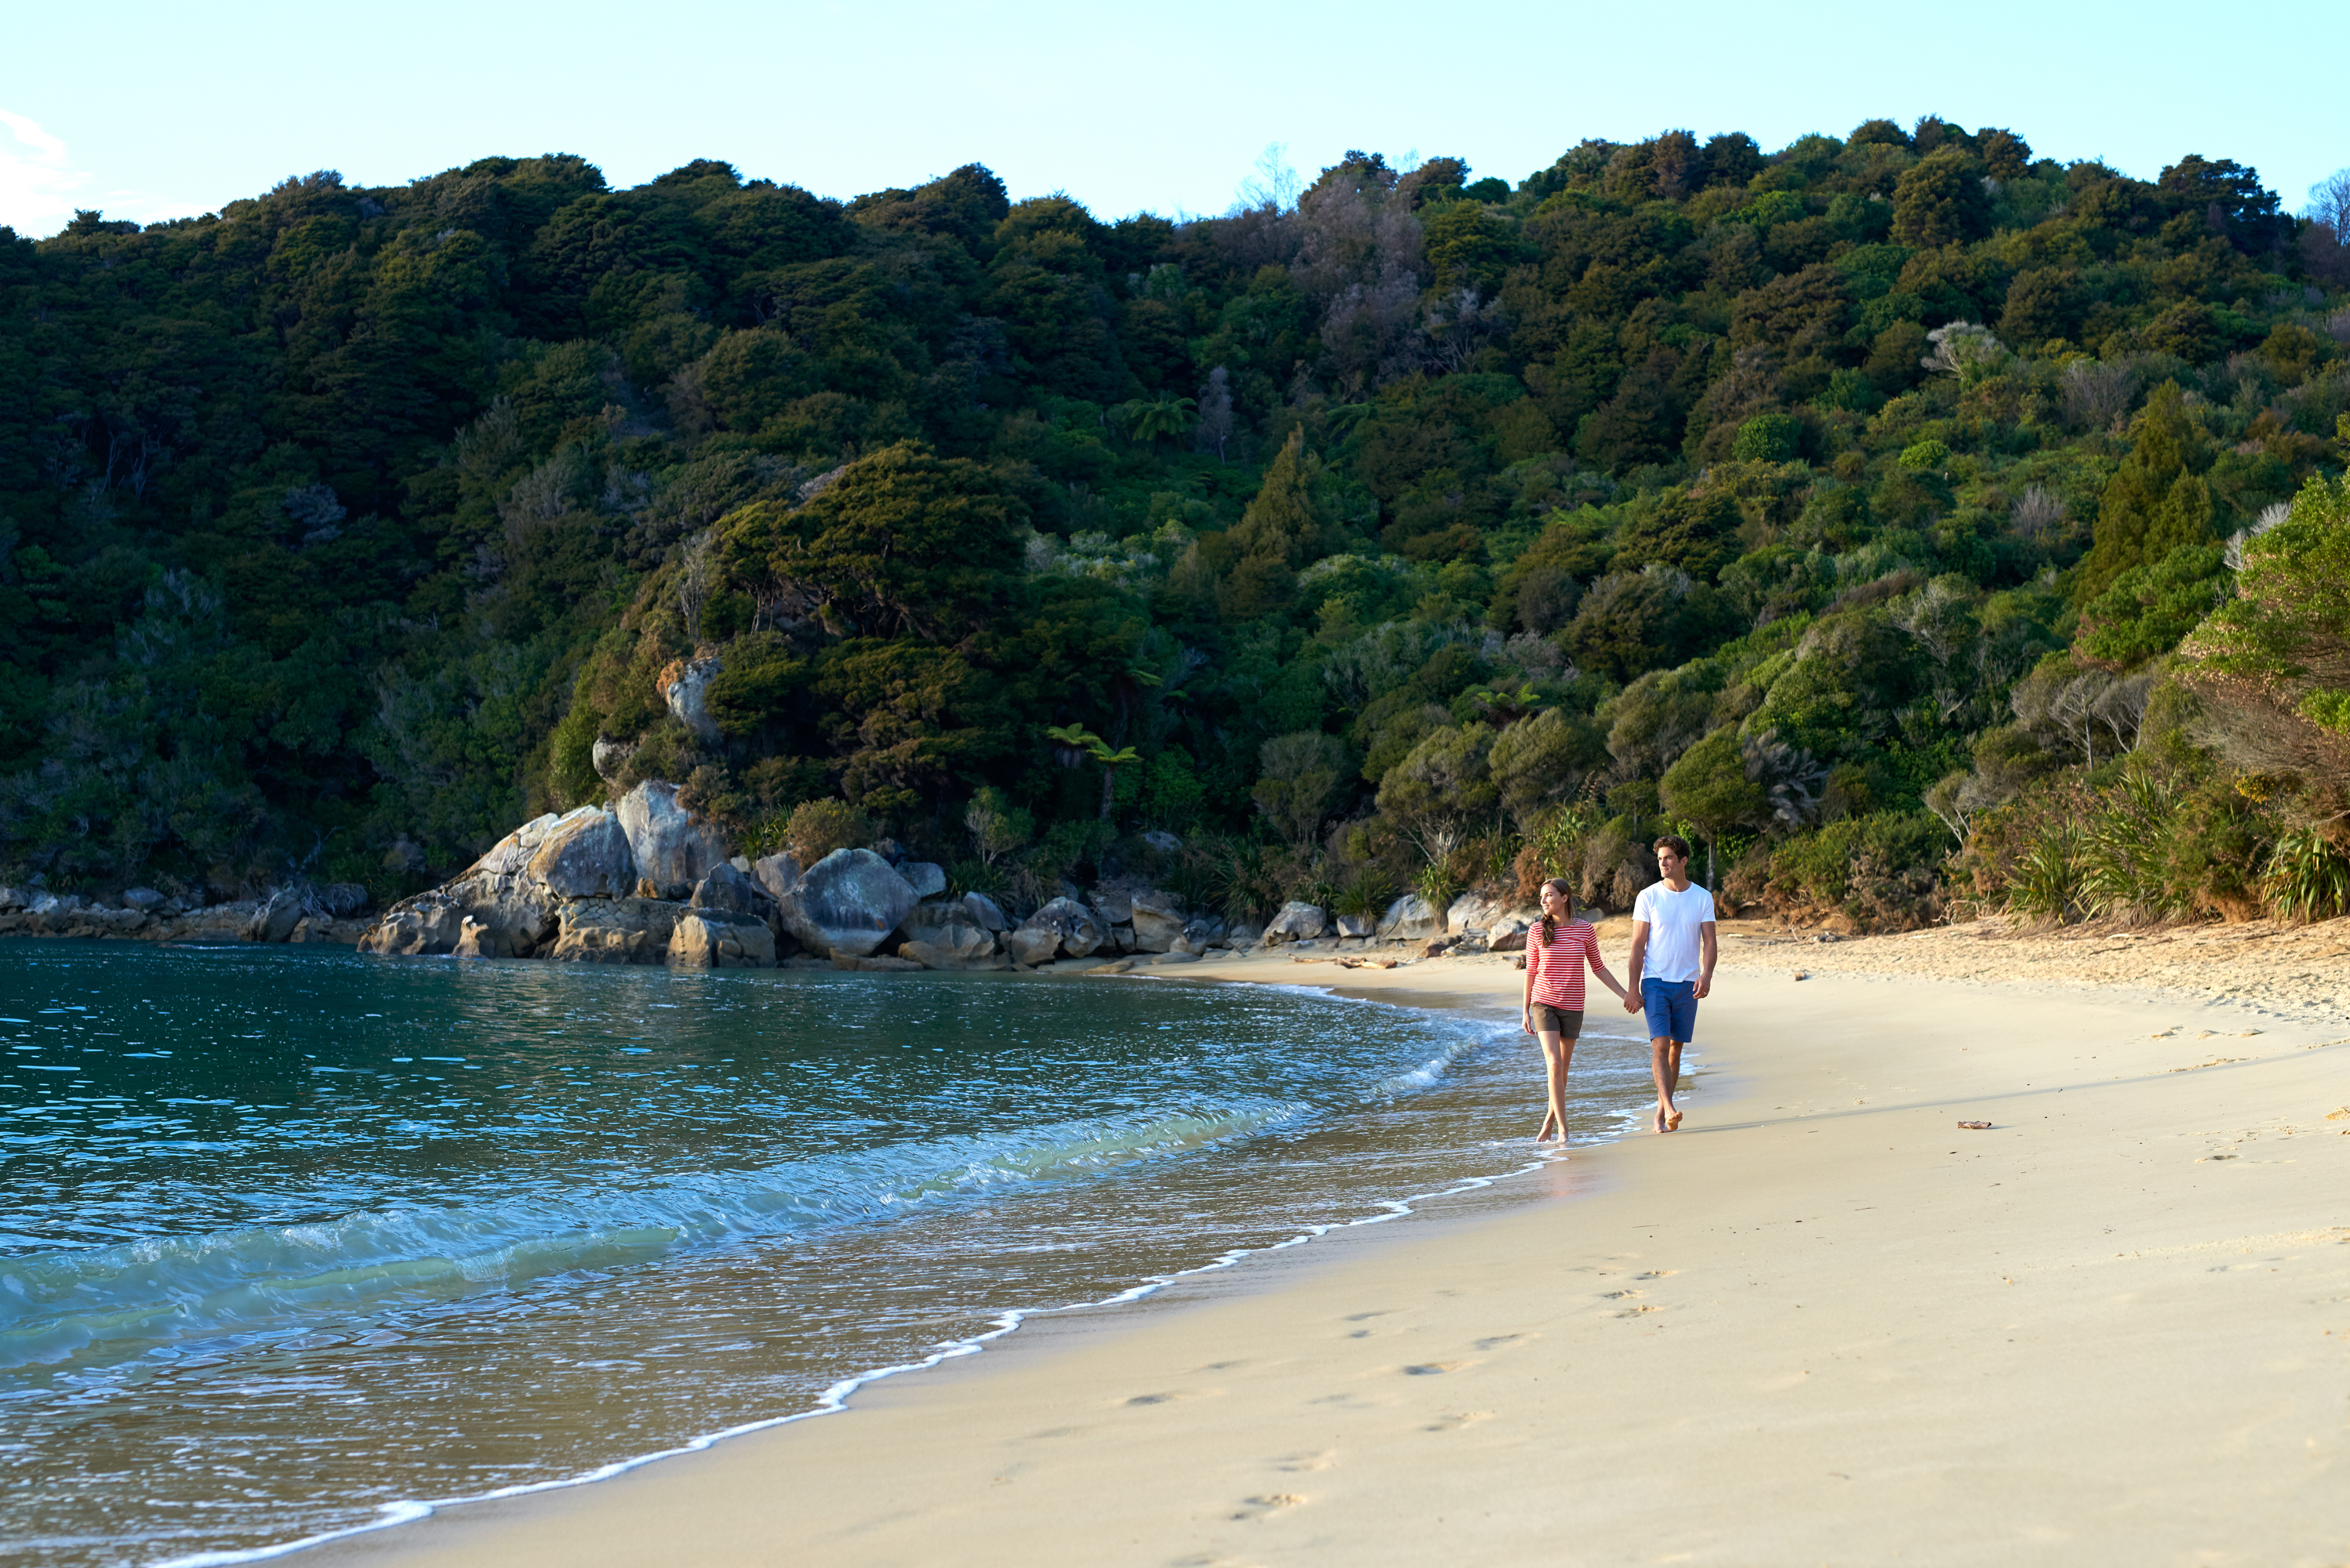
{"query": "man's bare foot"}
pixel 1672 1120
pixel 1657 1122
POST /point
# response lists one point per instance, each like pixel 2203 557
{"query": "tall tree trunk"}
pixel 1110 778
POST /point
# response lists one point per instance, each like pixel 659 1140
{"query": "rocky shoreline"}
pixel 648 882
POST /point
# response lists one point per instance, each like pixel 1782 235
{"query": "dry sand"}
pixel 1821 1323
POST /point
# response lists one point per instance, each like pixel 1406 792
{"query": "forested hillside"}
pixel 1846 506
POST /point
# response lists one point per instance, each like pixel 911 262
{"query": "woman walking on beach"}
pixel 1556 949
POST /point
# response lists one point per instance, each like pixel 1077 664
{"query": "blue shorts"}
pixel 1672 1008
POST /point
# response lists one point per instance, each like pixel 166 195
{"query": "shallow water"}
pixel 288 1238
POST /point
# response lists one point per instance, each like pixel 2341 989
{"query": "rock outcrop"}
pixel 684 685
pixel 672 848
pixel 728 891
pixel 847 904
pixel 1297 922
pixel 948 935
pixel 778 873
pixel 584 854
pixel 987 911
pixel 275 919
pixel 514 892
pixel 1077 931
pixel 1410 919
pixel 1158 920
pixel 926 877
pixel 1356 925
pixel 1477 912
pixel 1032 945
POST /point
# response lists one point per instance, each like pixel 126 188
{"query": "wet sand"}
pixel 1821 1324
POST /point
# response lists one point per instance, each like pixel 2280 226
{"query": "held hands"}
pixel 1631 1002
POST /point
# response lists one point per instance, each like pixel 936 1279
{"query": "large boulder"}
pixel 672 847
pixel 1032 945
pixel 1477 912
pixel 987 911
pixel 949 931
pixel 1297 922
pixel 1355 925
pixel 146 899
pixel 583 854
pixel 513 892
pixel 616 930
pixel 729 892
pixel 1079 931
pixel 1158 920
pixel 716 939
pixel 275 919
pixel 927 877
pixel 847 904
pixel 778 873
pixel 1412 918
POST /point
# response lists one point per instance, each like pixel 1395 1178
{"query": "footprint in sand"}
pixel 1295 1463
pixel 1268 1504
pixel 1167 1398
pixel 1454 1420
pixel 1657 1274
pixel 1637 1311
pixel 1433 1368
pixel 1499 1340
pixel 1620 1295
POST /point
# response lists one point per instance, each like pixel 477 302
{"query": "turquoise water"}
pixel 290 1241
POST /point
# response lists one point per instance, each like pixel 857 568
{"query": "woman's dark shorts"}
pixel 1551 1020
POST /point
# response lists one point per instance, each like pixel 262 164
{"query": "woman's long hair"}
pixel 1566 892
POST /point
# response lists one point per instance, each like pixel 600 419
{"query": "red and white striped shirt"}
pixel 1556 967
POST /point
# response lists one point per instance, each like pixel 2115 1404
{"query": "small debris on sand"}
pixel 1976 1127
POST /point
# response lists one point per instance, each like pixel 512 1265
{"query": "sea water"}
pixel 292 1241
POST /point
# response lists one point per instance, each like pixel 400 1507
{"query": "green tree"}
pixel 1707 786
pixel 2158 500
pixel 1940 200
pixel 1301 773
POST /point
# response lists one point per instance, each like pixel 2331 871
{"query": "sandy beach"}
pixel 1821 1323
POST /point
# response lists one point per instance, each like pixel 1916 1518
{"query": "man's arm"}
pixel 1706 947
pixel 1632 966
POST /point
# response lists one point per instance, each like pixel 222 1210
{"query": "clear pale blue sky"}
pixel 149 110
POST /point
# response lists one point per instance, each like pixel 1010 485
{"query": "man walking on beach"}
pixel 1671 968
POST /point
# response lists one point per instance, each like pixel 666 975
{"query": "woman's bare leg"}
pixel 1558 1054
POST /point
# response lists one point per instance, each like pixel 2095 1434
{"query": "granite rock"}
pixel 670 845
pixel 847 904
pixel 1297 922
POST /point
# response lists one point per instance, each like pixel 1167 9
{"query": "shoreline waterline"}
pixel 835 1399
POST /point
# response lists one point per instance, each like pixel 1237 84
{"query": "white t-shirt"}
pixel 1673 920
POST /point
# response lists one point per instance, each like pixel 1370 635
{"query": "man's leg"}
pixel 1668 1076
pixel 1664 1068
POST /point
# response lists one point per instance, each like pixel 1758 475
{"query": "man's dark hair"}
pixel 1674 842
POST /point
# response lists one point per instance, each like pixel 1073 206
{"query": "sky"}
pixel 150 112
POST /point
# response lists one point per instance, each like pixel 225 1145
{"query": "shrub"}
pixel 2308 878
pixel 1883 870
pixel 817 827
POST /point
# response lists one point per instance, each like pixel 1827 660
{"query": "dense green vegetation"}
pixel 1845 505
